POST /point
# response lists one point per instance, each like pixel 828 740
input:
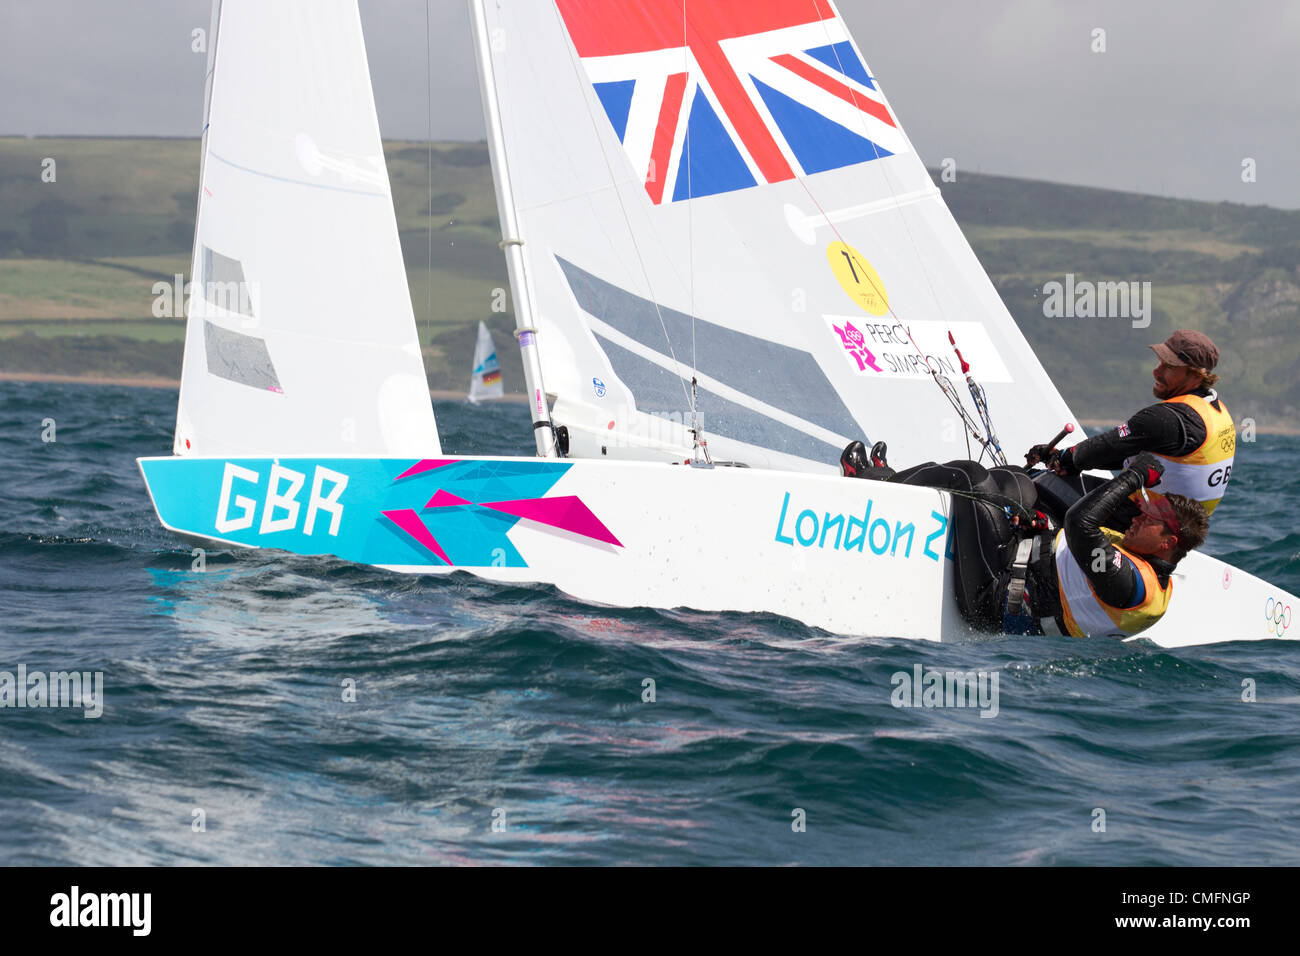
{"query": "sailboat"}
pixel 485 380
pixel 727 262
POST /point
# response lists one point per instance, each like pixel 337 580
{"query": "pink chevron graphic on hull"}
pixel 410 522
pixel 445 499
pixel 567 513
pixel 427 464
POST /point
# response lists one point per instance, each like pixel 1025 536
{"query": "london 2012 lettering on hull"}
pixel 816 528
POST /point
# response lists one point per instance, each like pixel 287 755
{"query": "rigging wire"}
pixel 428 89
pixel 945 386
pixel 690 247
pixel 614 185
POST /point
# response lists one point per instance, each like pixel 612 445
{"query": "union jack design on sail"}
pixel 711 97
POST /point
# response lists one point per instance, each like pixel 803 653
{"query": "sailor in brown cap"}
pixel 1189 429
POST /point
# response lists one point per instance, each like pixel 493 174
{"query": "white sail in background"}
pixel 300 336
pixel 485 379
pixel 721 191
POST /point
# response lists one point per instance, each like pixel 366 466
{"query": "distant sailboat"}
pixel 485 380
pixel 714 225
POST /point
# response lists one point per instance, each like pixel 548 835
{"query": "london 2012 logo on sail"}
pixel 894 349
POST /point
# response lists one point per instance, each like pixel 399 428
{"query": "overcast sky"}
pixel 1184 92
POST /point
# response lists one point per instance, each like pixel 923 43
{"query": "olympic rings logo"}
pixel 1277 616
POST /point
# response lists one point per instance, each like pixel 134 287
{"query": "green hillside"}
pixel 1231 270
pixel 79 258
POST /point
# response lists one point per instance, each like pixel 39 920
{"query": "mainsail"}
pixel 485 379
pixel 721 216
pixel 300 336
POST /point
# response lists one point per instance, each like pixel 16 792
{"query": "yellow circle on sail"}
pixel 856 277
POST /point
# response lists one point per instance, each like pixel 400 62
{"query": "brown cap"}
pixel 1188 347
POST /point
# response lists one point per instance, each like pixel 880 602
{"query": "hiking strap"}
pixel 1026 553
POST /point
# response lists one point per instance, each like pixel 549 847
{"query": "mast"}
pixel 214 26
pixel 511 242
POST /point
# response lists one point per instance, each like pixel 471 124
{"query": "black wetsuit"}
pixel 1165 428
pixel 1118 582
pixel 984 540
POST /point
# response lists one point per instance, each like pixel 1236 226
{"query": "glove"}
pixel 1148 467
pixel 1038 453
pixel 1063 463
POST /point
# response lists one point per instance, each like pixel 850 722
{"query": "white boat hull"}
pixel 855 558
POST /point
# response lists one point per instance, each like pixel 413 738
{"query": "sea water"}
pixel 257 707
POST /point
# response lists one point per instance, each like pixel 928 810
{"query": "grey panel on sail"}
pixel 778 375
pixel 659 391
pixel 240 358
pixel 224 284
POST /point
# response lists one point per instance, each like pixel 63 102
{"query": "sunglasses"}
pixel 1158 509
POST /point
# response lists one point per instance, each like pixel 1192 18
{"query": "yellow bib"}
pixel 1203 474
pixel 1086 614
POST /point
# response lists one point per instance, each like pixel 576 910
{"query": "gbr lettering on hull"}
pixel 280 508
